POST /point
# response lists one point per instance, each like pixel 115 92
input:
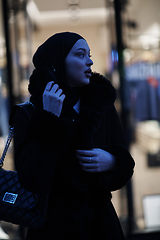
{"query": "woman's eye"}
pixel 81 54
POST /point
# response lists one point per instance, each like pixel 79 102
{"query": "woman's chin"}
pixel 81 83
pixel 86 82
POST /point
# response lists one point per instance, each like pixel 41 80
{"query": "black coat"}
pixel 80 203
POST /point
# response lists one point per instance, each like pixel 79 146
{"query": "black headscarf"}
pixel 49 62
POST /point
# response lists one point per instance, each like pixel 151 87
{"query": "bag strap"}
pixel 9 139
pixel 28 107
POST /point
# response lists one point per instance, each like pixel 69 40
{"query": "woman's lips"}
pixel 88 73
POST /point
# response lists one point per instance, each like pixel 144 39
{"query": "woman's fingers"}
pixel 54 89
pixel 89 153
pixel 59 92
pixel 62 97
pixel 95 160
pixel 88 165
pixel 53 98
pixel 86 159
pixel 49 86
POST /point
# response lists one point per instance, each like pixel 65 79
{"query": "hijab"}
pixel 49 62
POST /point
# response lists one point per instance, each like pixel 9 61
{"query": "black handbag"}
pixel 18 205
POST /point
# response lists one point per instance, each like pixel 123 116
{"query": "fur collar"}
pixel 101 89
pixel 96 100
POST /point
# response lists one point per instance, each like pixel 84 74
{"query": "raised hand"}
pixel 53 98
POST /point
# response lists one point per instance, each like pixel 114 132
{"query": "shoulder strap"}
pixel 9 139
pixel 29 108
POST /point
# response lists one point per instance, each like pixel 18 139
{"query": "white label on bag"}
pixel 10 197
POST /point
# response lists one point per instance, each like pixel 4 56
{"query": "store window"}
pixel 15 68
pixel 15 54
pixel 21 30
pixel 141 57
pixel 4 96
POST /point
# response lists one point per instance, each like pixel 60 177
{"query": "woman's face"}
pixel 78 64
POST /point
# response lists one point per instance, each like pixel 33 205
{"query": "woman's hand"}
pixel 95 160
pixel 53 98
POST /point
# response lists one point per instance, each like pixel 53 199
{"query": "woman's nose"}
pixel 89 62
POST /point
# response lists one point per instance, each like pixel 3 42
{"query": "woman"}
pixel 73 143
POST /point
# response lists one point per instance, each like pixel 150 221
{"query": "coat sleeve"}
pixel 37 144
pixel 123 171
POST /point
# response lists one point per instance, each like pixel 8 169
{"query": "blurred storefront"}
pixel 130 59
pixel 15 68
pixel 137 79
pixel 15 55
